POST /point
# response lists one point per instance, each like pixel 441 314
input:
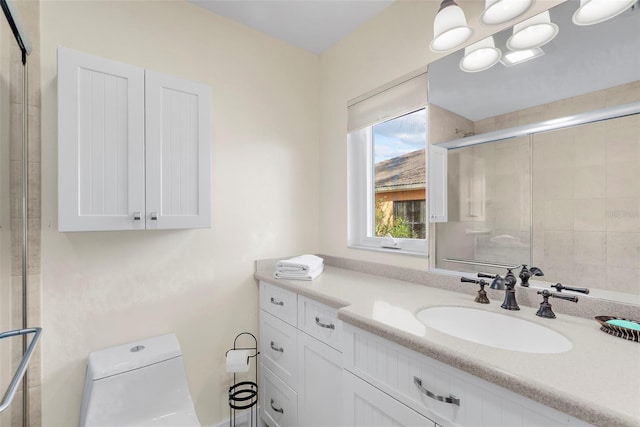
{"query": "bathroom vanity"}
pixel 348 349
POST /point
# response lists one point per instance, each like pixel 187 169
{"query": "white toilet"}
pixel 142 383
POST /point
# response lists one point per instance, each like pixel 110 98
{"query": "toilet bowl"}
pixel 142 383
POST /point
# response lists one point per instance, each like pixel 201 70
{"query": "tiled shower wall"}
pixel 586 204
pixel 30 14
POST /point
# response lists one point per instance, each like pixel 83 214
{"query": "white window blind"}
pixel 387 102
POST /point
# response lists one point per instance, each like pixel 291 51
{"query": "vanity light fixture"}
pixel 515 57
pixel 450 28
pixel 480 56
pixel 533 32
pixel 500 11
pixel 596 11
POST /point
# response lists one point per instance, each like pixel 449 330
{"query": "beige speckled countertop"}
pixel 597 381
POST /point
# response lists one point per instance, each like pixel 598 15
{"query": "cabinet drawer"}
pixel 279 348
pixel 278 403
pixel 279 302
pixel 320 321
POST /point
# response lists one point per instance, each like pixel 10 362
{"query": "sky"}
pixel 400 136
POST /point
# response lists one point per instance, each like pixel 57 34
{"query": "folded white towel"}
pixel 299 275
pixel 302 263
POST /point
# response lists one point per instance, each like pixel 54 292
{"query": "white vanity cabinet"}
pixel 424 385
pixel 300 360
pixel 133 147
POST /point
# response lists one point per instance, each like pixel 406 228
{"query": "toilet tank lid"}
pixel 134 355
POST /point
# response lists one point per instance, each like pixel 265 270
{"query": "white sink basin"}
pixel 493 329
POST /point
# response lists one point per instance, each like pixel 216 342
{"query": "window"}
pixel 414 212
pixel 387 143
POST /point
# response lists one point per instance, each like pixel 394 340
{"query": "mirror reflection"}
pixel 566 200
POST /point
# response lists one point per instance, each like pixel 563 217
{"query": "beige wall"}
pixel 394 43
pixel 105 288
pixel 275 110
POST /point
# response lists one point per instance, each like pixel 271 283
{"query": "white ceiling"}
pixel 313 25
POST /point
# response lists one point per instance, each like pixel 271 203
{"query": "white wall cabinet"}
pixel 133 146
pixel 300 360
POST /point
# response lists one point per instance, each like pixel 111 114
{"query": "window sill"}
pixel 389 251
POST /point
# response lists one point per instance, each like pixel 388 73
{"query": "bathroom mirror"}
pixel 537 176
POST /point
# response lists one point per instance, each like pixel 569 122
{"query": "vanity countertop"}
pixel 597 381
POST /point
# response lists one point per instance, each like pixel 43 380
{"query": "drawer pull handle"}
pixel 276 302
pixel 274 348
pixel 280 410
pixel 448 399
pixel 325 325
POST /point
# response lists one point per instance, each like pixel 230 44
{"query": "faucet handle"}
pixel 527 273
pixel 559 287
pixel 496 283
pixel 545 307
pixel 482 294
pixel 488 276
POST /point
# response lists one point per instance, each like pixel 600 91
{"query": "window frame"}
pixel 361 193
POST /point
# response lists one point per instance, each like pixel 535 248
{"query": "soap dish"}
pixel 619 327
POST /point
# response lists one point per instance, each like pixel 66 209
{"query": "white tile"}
pixel 590 247
pixel 623 214
pixel 623 250
pixel 590 182
pixel 589 215
pixel 558 214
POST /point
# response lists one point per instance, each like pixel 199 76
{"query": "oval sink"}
pixel 493 329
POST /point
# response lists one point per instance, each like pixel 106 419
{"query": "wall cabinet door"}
pixel 134 147
pixel 320 382
pixel 437 184
pixel 367 406
pixel 101 184
pixel 178 157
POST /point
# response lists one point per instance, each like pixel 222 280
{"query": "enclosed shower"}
pixel 18 339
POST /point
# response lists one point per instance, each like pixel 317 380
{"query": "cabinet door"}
pixel 100 143
pixel 178 152
pixel 437 184
pixel 367 406
pixel 320 383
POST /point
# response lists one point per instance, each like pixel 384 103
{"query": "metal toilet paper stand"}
pixel 244 394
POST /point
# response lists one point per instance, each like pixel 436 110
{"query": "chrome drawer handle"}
pixel 276 302
pixel 136 216
pixel 325 325
pixel 448 399
pixel 274 348
pixel 280 410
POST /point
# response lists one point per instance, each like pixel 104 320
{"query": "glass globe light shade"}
pixel 595 11
pixel 450 28
pixel 533 32
pixel 480 56
pixel 500 11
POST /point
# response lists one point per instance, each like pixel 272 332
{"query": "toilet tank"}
pixel 140 383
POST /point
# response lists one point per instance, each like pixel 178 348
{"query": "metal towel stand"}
pixel 24 363
pixel 244 395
